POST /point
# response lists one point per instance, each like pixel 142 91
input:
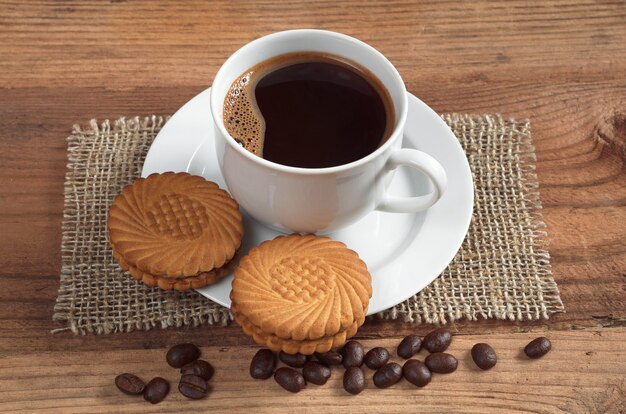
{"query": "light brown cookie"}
pixel 306 347
pixel 175 225
pixel 177 283
pixel 301 287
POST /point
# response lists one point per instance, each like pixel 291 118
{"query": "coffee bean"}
pixel 263 364
pixel 289 379
pixel 329 358
pixel 376 357
pixel 129 384
pixel 438 340
pixel 441 363
pixel 352 353
pixel 538 347
pixel 316 373
pixel 354 380
pixel 193 386
pixel 156 390
pixel 182 354
pixel 293 360
pixel 200 368
pixel 416 372
pixel 484 356
pixel 409 346
pixel 387 375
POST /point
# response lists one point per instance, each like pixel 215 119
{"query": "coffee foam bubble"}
pixel 241 115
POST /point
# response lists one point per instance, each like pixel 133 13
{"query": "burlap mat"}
pixel 502 270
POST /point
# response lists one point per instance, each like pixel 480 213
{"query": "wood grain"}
pixel 583 373
pixel 560 63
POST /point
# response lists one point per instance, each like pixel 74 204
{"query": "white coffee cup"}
pixel 319 200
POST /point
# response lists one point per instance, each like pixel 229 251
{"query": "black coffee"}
pixel 309 110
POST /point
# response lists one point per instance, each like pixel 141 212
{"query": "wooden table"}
pixel 560 63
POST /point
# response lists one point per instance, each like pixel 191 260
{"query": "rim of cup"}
pixel 218 101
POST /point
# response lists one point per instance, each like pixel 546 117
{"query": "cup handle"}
pixel 425 164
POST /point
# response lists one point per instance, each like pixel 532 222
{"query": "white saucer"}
pixel 404 252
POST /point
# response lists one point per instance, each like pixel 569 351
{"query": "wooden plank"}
pixel 128 44
pixel 583 373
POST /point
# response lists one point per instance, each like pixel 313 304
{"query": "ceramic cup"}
pixel 319 200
